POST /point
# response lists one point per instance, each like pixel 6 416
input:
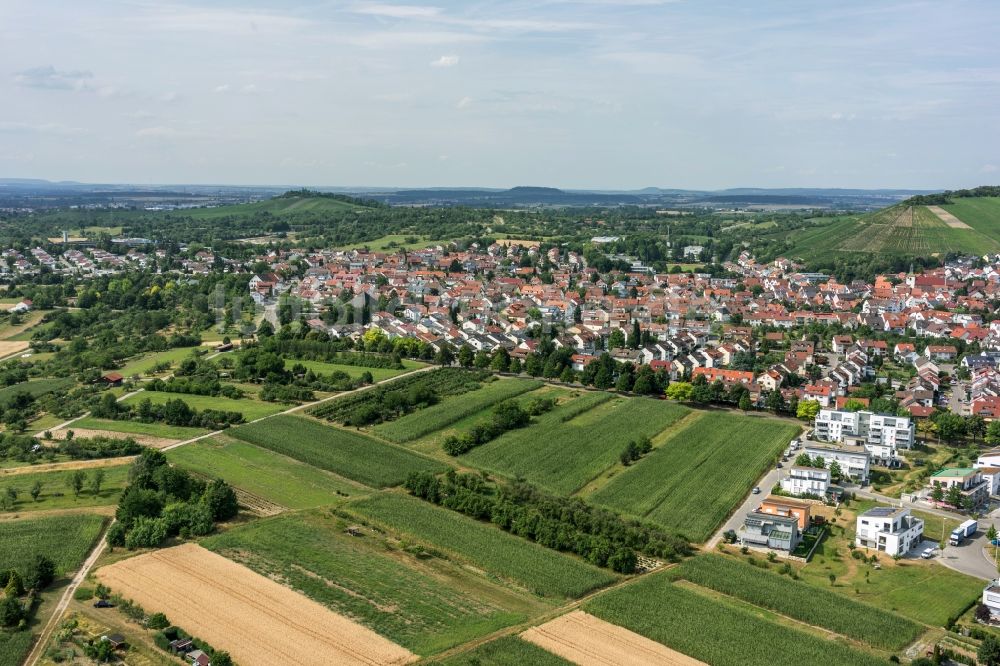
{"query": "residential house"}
pixel 888 529
pixel 854 461
pixel 770 531
pixel 775 505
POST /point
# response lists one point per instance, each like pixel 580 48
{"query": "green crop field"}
pixel 801 601
pixel 563 456
pixel 138 428
pixel 261 472
pixel 250 408
pixel 692 481
pixel 57 494
pixel 980 213
pixel 505 651
pixel 342 452
pixel 454 408
pixel 14 646
pixel 64 539
pixel 426 604
pixel 378 374
pixel 536 568
pixel 715 631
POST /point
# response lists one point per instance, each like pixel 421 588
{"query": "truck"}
pixel 963 532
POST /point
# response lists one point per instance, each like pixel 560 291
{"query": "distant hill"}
pixel 967 225
pixel 285 205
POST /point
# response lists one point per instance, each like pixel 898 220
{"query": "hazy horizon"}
pixel 584 94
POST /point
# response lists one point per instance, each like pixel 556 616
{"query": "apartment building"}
pixel 854 461
pixel 806 481
pixel 881 434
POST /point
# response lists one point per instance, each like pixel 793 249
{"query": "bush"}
pixel 157 621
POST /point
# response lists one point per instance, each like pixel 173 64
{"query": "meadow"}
pixel 64 539
pixel 378 374
pixel 452 409
pixel 250 408
pixel 263 473
pixel 505 651
pixel 980 213
pixel 692 481
pixel 799 600
pixel 342 452
pixel 35 387
pixel 57 494
pixel 545 572
pixel 564 455
pixel 425 604
pixel 715 631
pixel 140 365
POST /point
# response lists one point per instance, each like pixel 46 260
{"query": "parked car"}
pixel 995 542
pixel 927 554
pixel 103 603
pixel 779 465
pixel 756 490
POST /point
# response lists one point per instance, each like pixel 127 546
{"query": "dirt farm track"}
pixel 258 621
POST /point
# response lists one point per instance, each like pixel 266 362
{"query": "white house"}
pixel 888 529
pixel 806 481
pixel 853 461
pixel 991 598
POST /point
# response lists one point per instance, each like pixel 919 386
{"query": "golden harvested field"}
pixel 589 641
pixel 948 218
pixel 255 619
pixel 145 440
pixel 68 465
pixel 9 347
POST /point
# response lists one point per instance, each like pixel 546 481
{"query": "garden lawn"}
pixel 695 479
pixel 57 494
pixel 263 473
pixel 541 570
pixel 64 539
pixel 454 408
pixel 424 604
pixel 801 601
pixel 250 408
pixel 563 456
pixel 715 631
pixel 342 452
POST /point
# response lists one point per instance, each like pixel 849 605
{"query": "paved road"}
pixel 752 502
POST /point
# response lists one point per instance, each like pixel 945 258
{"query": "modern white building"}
pixel 881 434
pixel 854 461
pixel 888 529
pixel 991 598
pixel 806 481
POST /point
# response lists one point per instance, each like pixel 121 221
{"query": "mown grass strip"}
pixel 342 452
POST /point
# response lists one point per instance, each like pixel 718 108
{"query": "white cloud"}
pixel 398 11
pixel 50 78
pixel 225 87
pixel 57 129
pixel 464 103
pixel 445 61
pixel 989 168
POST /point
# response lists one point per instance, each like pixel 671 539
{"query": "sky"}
pixel 599 94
